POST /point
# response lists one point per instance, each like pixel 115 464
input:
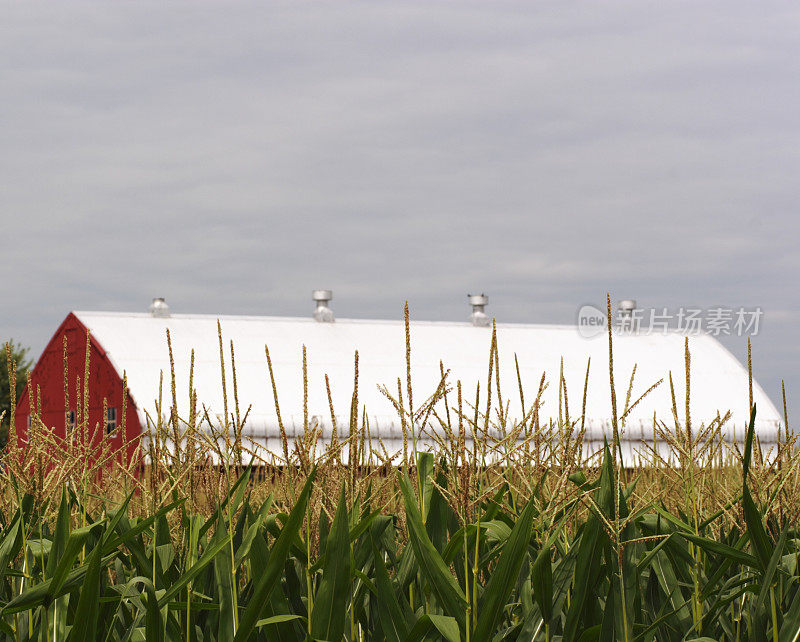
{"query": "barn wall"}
pixel 47 381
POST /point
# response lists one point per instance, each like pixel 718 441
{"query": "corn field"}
pixel 505 530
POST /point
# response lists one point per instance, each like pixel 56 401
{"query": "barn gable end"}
pixel 46 387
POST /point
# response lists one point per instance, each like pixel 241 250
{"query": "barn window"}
pixel 111 420
pixel 71 419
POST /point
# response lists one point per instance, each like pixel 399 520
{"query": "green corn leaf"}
pixel 39 548
pixel 755 529
pixel 10 545
pixel 591 634
pixel 790 629
pixel 126 532
pixel 330 602
pixel 446 626
pixel 278 619
pixel 748 444
pixel 247 541
pixel 154 623
pixel 494 504
pixel 456 542
pixel 393 623
pixel 225 584
pixel 608 627
pixel 769 573
pixel 441 581
pixel 9 632
pixel 664 567
pixel 43 593
pixel 604 496
pixel 505 574
pixel 116 517
pixel 723 550
pixel 438 513
pixel 589 552
pixel 75 543
pixel 61 535
pixel 86 614
pixel 424 471
pixel 643 563
pixel 241 487
pixel 357 531
pixel 277 604
pixel 363 524
pixel 542 583
pixel 721 570
pixel 208 556
pixel 267 581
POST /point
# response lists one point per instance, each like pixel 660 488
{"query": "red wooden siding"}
pixel 47 380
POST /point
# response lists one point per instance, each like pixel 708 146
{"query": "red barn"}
pixel 135 345
pixel 60 409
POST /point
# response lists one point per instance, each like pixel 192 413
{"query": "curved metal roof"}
pixel 136 344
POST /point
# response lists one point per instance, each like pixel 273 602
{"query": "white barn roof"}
pixel 136 344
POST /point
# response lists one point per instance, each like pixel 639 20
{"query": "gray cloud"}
pixel 233 157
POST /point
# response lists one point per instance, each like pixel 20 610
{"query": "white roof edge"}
pixel 756 386
pixel 347 320
pixel 309 319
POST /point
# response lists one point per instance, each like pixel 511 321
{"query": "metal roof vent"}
pixel 323 313
pixel 478 316
pixel 626 308
pixel 159 307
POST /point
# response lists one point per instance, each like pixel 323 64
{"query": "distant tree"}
pixel 18 354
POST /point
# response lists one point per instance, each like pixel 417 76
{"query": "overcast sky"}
pixel 231 157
